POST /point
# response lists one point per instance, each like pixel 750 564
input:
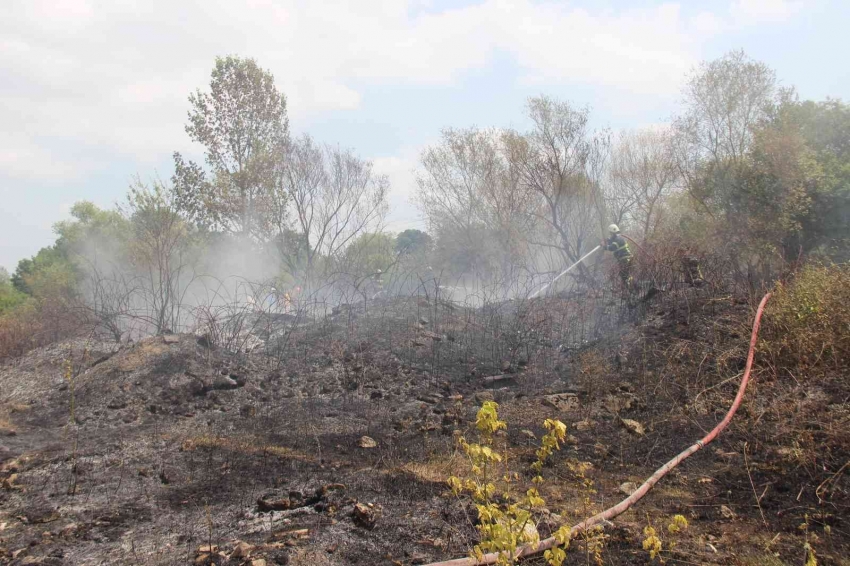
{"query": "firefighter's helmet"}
pixel 614 229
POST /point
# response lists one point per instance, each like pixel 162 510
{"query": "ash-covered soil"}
pixel 335 450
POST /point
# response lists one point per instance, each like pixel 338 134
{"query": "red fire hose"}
pixel 623 505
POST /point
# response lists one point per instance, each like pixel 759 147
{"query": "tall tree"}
pixel 642 173
pixel 724 100
pixel 243 126
pixel 335 196
pixel 560 163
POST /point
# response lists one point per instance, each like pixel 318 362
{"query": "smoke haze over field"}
pixel 94 93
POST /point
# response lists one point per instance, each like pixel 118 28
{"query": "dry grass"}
pixel 35 324
pixel 808 320
pixel 141 355
pixel 250 445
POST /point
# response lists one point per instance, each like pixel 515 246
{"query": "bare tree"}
pixel 468 190
pixel 335 196
pixel 160 254
pixel 642 173
pixel 560 162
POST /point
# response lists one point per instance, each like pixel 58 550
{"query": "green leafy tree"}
pixel 243 126
pixel 369 254
pixel 10 297
pixel 413 242
pixel 55 270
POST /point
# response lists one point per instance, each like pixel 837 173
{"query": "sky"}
pixel 95 93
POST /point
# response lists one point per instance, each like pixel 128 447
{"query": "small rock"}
pixel 258 562
pixel 242 550
pixel 171 338
pixel 633 426
pixel 363 516
pixel 430 398
pixel 499 380
pixel 562 401
pixel 367 442
pixel 584 425
pixel 433 335
pixel 617 403
pixel 224 382
pixel 727 513
pixel 483 396
pixel 117 403
pixel 68 530
pixel 627 488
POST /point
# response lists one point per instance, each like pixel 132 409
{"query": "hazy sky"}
pixel 93 93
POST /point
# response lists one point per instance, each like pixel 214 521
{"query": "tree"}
pixel 159 253
pixel 242 124
pixel 641 175
pixel 412 242
pixel 55 270
pixel 10 297
pixel 468 188
pixel 724 100
pixel 335 197
pixel 560 163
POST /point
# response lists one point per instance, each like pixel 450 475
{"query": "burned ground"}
pixel 169 451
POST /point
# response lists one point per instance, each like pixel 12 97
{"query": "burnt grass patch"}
pixel 164 455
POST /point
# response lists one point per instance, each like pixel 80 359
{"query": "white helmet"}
pixel 614 229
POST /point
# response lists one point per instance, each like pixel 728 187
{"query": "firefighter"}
pixel 617 243
pixel 691 268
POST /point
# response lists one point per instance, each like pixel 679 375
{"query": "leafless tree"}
pixel 468 190
pixel 560 162
pixel 642 173
pixel 335 196
pixel 160 255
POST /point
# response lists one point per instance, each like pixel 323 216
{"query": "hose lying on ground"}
pixel 623 505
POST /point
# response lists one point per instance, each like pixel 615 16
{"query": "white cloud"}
pixel 22 159
pixel 750 12
pixel 114 76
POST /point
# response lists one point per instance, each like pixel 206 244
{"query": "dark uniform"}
pixel 618 244
pixel 691 268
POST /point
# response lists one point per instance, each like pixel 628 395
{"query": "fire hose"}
pixel 564 272
pixel 638 494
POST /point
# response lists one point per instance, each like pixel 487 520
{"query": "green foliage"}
pixel 54 271
pixel 652 542
pixel 808 319
pixel 368 254
pixel 505 518
pixel 91 226
pixel 413 242
pixel 46 273
pixel 10 297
